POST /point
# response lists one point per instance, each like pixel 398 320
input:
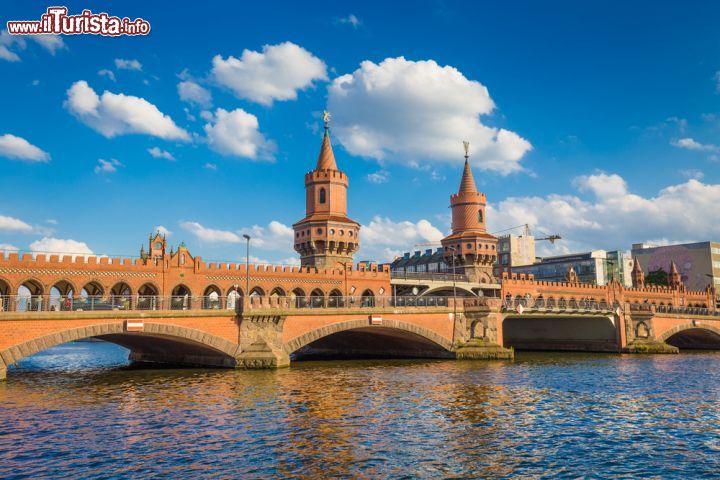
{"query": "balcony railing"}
pixel 686 310
pixel 47 303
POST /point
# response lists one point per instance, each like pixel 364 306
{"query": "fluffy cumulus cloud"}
pixel 113 114
pixel 123 64
pixel 159 153
pixel 608 215
pixel 8 248
pixel 210 235
pixel 59 245
pixel 383 238
pixel 402 110
pixel 381 176
pixel 276 73
pixel 191 92
pixel 18 148
pixel 692 144
pixel 237 133
pixel 276 236
pixel 14 225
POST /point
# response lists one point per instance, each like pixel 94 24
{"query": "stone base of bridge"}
pixel 650 346
pixel 259 355
pixel 479 349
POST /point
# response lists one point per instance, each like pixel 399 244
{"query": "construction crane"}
pixel 526 232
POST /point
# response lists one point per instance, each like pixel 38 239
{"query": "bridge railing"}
pixel 686 310
pixel 432 276
pixel 53 303
pixel 550 304
pixel 349 302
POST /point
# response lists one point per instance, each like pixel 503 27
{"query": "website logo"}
pixel 56 21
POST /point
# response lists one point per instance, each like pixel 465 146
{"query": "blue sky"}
pixel 595 120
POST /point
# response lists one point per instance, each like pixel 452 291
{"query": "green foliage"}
pixel 657 277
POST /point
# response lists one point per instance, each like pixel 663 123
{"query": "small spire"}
pixel 636 265
pixel 673 268
pixel 467 184
pixel 326 159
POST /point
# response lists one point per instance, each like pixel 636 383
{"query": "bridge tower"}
pixel 674 278
pixel 326 236
pixel 473 249
pixel 637 274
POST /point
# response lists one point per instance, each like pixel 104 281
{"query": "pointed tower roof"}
pixel 326 159
pixel 673 268
pixel 636 266
pixel 467 184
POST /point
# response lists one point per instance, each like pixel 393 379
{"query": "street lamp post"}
pixel 247 265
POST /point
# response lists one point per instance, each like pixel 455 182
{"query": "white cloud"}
pixel 276 73
pixel 401 110
pixel 276 236
pixel 692 173
pixel 8 248
pixel 58 246
pixel 159 153
pixel 383 238
pixel 691 144
pixel 210 166
pixel 163 230
pixel 381 176
pixel 107 73
pixel 210 235
pixel 613 217
pixel 123 64
pixel 20 149
pixel 107 166
pixel 51 43
pixel 190 91
pixel 10 224
pixel 117 114
pixel 236 134
pixel 351 20
pixel 10 44
pixel 207 116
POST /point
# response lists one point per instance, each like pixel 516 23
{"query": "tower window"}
pixel 480 216
pixel 322 195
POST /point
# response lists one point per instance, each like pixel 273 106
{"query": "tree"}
pixel 657 277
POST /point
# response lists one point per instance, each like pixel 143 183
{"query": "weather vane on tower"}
pixel 326 118
pixel 466 144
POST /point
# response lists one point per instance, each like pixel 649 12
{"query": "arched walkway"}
pixel 30 296
pixel 212 298
pixel 298 297
pixel 355 338
pixel 180 298
pixel 447 290
pixel 317 298
pixel 148 297
pixel 161 343
pixel 5 299
pixel 121 296
pixel 692 337
pixel 61 296
pixel 335 299
pixel 367 299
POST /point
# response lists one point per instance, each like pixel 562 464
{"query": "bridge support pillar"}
pixel 260 355
pixel 649 346
pixel 483 349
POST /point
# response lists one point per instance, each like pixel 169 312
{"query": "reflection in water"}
pixel 542 415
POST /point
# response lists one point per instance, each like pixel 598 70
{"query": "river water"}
pixel 75 411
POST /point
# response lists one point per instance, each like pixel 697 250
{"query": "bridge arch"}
pixel 188 346
pixel 93 288
pixel 558 332
pixel 692 336
pixel 358 338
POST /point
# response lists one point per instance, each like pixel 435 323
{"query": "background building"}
pixel 596 267
pixel 698 263
pixel 514 250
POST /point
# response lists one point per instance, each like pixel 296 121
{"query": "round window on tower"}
pixel 350 233
pixel 158 245
pixel 319 231
pixel 342 232
pixel 332 231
